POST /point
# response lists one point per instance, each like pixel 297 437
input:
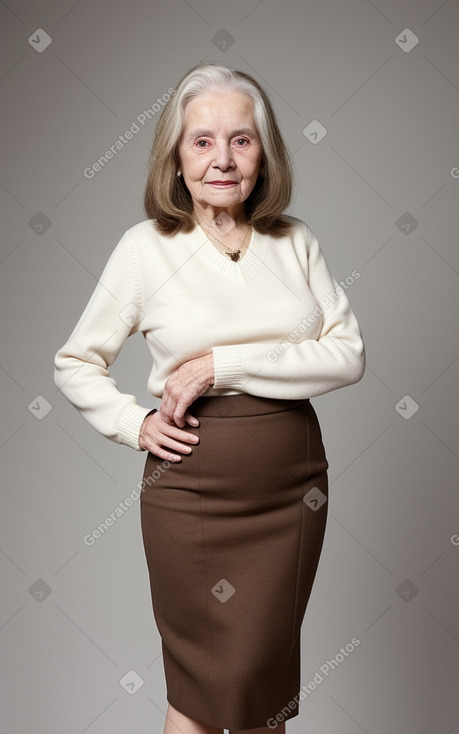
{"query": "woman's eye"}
pixel 202 143
pixel 241 141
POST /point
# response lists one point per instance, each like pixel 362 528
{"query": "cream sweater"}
pixel 277 322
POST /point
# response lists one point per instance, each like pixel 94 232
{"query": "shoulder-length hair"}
pixel 166 197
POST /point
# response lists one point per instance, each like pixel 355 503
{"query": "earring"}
pixel 179 173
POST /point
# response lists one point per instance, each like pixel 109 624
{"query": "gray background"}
pixel 74 620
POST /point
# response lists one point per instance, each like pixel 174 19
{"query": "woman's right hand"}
pixel 155 434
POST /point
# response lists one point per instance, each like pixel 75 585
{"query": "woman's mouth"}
pixel 222 184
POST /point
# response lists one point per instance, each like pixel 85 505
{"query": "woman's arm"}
pixel 300 369
pixel 81 373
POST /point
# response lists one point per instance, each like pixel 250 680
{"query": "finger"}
pixel 166 444
pixel 171 438
pixel 171 443
pixel 191 419
pixel 167 412
pixel 178 434
pixel 163 454
pixel 164 432
pixel 171 422
pixel 179 414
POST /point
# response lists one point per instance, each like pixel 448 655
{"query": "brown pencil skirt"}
pixel 232 536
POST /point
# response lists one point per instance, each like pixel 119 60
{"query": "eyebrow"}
pixel 209 133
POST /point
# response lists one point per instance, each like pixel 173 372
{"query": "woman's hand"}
pixel 156 434
pixel 187 383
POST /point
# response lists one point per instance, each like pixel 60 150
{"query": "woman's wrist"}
pixel 203 369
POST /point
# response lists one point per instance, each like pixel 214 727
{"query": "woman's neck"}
pixel 225 218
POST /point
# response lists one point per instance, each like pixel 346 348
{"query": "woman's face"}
pixel 220 152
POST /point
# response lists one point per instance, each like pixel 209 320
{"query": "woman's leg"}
pixel 178 723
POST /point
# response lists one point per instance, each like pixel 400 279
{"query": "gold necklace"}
pixel 236 253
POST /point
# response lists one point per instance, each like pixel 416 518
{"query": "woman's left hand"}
pixel 187 383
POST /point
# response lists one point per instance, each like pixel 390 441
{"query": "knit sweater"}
pixel 277 322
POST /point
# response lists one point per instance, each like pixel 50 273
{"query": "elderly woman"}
pixel 245 324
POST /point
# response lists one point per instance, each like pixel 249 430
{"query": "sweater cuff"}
pixel 228 369
pixel 129 425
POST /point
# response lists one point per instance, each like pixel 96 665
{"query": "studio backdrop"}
pixel 367 98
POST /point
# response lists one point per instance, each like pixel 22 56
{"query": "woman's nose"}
pixel 223 154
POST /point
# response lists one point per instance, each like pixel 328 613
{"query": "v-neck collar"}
pixel 241 271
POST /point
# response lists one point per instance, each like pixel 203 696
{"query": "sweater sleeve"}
pixel 81 373
pixel 312 367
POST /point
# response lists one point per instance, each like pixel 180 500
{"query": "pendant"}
pixel 234 255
